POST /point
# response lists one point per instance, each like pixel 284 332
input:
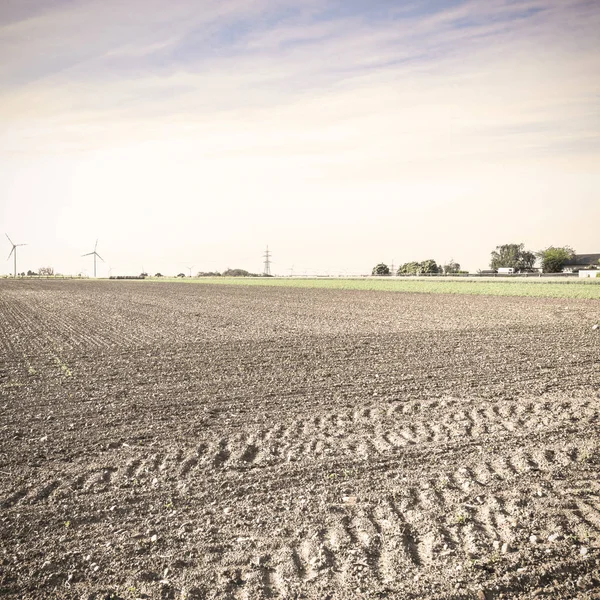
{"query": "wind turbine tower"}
pixel 267 257
pixel 94 254
pixel 13 251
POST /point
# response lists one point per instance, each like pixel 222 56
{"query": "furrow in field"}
pixel 58 328
pixel 71 332
pixel 40 351
pixel 7 326
pixel 26 326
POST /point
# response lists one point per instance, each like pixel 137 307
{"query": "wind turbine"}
pixel 13 250
pixel 94 254
pixel 190 269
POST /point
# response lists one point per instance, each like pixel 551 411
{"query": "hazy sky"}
pixel 340 132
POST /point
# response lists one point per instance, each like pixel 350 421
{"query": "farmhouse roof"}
pixel 583 260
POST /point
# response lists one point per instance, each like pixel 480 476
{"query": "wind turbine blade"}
pixel 6 234
pixel 20 244
pixel 10 253
pixel 96 245
pixel 88 254
pixel 99 257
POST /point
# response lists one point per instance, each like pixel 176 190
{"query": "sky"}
pixel 194 133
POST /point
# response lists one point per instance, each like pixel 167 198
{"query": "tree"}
pixel 451 267
pixel 416 268
pixel 429 266
pixel 47 271
pixel 237 273
pixel 208 274
pixel 554 258
pixel 409 268
pixel 182 275
pixel 157 274
pixel 380 269
pixel 512 256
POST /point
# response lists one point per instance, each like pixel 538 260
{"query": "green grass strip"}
pixel 537 288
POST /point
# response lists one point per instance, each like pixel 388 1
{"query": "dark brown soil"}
pixel 189 441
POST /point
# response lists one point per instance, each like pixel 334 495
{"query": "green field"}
pixel 538 288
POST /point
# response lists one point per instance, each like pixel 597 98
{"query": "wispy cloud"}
pixel 137 47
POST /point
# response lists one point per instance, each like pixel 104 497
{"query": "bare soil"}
pixel 172 441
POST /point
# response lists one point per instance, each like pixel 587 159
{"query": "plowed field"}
pixel 169 441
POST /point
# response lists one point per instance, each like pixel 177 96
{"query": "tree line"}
pixel 552 259
pixel 41 272
pixel 513 256
pixel 425 267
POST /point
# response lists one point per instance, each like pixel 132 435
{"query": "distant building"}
pixel 581 261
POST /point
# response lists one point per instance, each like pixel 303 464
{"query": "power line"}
pixel 267 257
